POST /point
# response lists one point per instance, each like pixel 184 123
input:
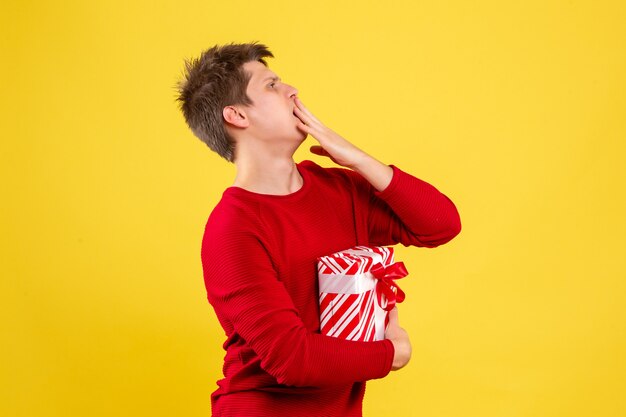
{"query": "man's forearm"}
pixel 374 171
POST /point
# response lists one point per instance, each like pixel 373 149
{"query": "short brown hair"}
pixel 213 81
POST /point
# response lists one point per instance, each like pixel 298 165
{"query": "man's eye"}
pixel 272 84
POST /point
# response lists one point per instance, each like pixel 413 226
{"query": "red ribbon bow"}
pixel 385 285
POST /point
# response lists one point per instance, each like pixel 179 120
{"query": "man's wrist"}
pixel 374 171
pixel 402 354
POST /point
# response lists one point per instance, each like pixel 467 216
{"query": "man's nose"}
pixel 292 91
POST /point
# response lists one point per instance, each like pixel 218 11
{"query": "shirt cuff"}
pixel 390 353
pixel 395 180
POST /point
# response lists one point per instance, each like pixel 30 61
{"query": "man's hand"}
pixel 341 151
pixel 400 339
pixel 332 145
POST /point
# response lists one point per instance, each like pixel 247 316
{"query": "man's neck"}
pixel 275 175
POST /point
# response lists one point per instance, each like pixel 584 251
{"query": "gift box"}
pixel 357 290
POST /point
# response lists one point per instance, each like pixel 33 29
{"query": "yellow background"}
pixel 516 110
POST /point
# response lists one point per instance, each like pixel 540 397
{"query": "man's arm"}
pixel 341 151
pixel 380 177
pixel 250 300
pixel 403 209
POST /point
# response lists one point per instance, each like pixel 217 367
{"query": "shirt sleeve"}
pixel 250 300
pixel 409 211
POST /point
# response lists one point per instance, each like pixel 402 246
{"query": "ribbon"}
pixel 386 285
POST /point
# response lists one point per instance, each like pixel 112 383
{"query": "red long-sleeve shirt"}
pixel 259 256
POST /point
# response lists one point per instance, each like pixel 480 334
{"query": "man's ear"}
pixel 235 116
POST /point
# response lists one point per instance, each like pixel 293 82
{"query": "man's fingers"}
pixel 300 106
pixel 306 129
pixel 300 115
pixel 309 126
pixel 304 119
pixel 393 316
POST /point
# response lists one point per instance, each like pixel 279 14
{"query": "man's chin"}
pixel 302 135
pixel 299 141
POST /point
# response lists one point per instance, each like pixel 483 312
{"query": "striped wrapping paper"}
pixel 350 308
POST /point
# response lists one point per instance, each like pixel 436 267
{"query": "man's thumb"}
pixel 318 150
pixel 393 316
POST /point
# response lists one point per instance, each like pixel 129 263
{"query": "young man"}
pixel 263 238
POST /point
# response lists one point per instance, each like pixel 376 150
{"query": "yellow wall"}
pixel 516 110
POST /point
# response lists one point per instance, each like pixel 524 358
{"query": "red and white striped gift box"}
pixel 356 291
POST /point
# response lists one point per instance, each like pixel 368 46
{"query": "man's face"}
pixel 271 114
